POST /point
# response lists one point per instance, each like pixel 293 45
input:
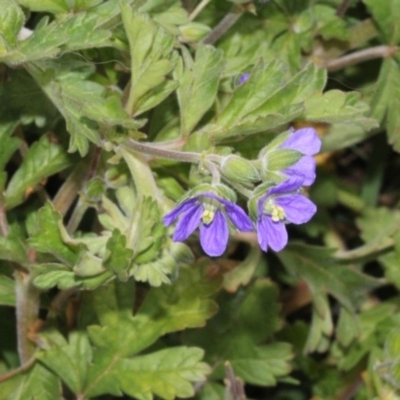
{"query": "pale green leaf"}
pixel 34 384
pixel 198 85
pixel 43 159
pixel 69 360
pixel 11 22
pixel 51 237
pixel 151 52
pixel 7 291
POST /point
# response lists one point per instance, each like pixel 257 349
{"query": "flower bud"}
pixel 194 31
pixel 239 169
pixel 280 159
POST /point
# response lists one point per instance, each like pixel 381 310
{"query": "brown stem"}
pixel 223 26
pixel 341 10
pixel 17 371
pixel 360 56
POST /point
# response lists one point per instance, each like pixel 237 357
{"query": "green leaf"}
pixel 23 101
pixel 69 360
pixel 81 102
pixel 120 335
pixel 267 100
pixel 12 248
pixel 167 373
pixel 11 22
pixel 234 335
pixel 44 42
pixel 43 159
pixel 151 52
pixel 8 144
pixel 59 6
pixel 51 237
pixel 118 257
pixel 7 291
pixel 36 383
pixel 336 107
pixel 387 16
pixel 198 85
pixel 314 264
pixel 385 102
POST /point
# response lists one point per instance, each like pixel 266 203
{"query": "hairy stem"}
pixel 223 26
pixel 27 309
pixel 157 151
pixel 360 56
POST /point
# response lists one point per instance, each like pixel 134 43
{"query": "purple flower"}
pixel 281 204
pixel 243 78
pixel 305 141
pixel 211 213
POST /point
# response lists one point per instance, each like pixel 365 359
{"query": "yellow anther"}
pixel 208 216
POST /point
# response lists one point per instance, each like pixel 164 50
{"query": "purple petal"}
pixel 174 214
pixel 189 221
pixel 272 234
pixel 298 209
pixel 243 78
pixel 238 217
pixel 214 237
pixel 290 185
pixel 304 140
pixel 304 169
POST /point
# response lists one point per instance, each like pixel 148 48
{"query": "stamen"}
pixel 208 216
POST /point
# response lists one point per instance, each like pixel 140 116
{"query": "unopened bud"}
pixel 239 169
pixel 194 31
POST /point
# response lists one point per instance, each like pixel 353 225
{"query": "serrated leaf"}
pixel 118 257
pixel 11 21
pixel 81 102
pixel 36 383
pixel 51 237
pixel 59 6
pixel 336 107
pixel 43 159
pixel 198 85
pixel 151 52
pixel 44 42
pixel 69 360
pixel 313 264
pixel 13 248
pixel 7 291
pixel 165 309
pixel 385 102
pixel 387 16
pixel 268 99
pixel 234 335
pixel 166 373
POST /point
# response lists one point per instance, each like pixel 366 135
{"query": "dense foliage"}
pixel 167 228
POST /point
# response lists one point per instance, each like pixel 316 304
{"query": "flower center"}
pixel 276 212
pixel 210 206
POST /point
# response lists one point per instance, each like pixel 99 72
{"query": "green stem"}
pixel 76 216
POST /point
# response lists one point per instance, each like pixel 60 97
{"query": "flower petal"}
pixel 303 169
pixel 298 209
pixel 214 237
pixel 189 221
pixel 290 185
pixel 238 217
pixel 174 214
pixel 304 140
pixel 272 234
